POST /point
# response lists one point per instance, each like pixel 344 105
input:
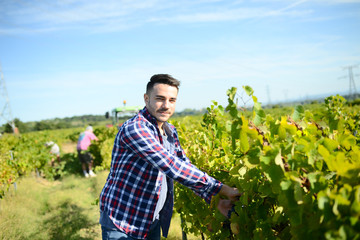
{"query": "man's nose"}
pixel 166 104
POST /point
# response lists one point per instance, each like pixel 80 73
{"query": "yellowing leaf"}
pixel 278 161
pixel 282 132
pixel 330 144
pixel 244 143
pixel 291 129
pixel 298 193
pixel 347 140
pixel 323 151
pixel 242 171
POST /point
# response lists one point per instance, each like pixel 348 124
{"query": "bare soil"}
pixel 68 147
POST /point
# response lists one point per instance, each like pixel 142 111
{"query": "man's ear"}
pixel 146 98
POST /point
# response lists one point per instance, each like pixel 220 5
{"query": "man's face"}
pixel 161 102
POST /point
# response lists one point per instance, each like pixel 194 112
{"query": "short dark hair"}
pixel 162 78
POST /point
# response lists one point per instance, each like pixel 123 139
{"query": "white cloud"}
pixel 119 15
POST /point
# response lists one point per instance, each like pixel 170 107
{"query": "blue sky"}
pixel 64 58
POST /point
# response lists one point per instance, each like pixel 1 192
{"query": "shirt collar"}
pixel 148 116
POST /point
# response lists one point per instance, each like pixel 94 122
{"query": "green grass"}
pixel 66 209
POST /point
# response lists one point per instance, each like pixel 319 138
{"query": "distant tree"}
pixel 56 123
pixel 43 125
pixel 62 125
pixel 8 128
pixel 19 124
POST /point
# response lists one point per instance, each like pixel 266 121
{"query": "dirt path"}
pixel 68 147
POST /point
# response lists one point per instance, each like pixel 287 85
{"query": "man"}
pixel 82 147
pixel 137 198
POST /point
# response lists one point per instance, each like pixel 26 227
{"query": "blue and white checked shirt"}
pixel 133 185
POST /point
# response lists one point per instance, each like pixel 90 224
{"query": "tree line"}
pixel 56 123
pixel 74 122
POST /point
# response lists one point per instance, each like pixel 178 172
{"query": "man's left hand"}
pixel 224 206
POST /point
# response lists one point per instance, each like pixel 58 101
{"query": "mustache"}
pixel 163 110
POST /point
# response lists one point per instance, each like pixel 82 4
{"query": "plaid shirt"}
pixel 133 185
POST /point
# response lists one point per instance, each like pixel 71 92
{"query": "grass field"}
pixel 64 210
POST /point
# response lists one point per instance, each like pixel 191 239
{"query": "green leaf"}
pixel 265 190
pixel 254 156
pixel 235 170
pixel 249 91
pixel 298 113
pixel 221 109
pixel 232 110
pixel 285 185
pixel 278 213
pixel 257 105
pixel 231 93
pixel 275 175
pixel 298 193
pixel 259 117
pixel 323 201
pixel 265 160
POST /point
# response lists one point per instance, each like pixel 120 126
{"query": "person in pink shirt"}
pixel 82 147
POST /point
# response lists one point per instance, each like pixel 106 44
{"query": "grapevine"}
pixel 299 173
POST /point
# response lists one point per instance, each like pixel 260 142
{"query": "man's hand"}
pixel 224 206
pixel 231 193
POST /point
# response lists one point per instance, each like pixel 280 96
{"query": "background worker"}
pixel 82 147
pixel 54 151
